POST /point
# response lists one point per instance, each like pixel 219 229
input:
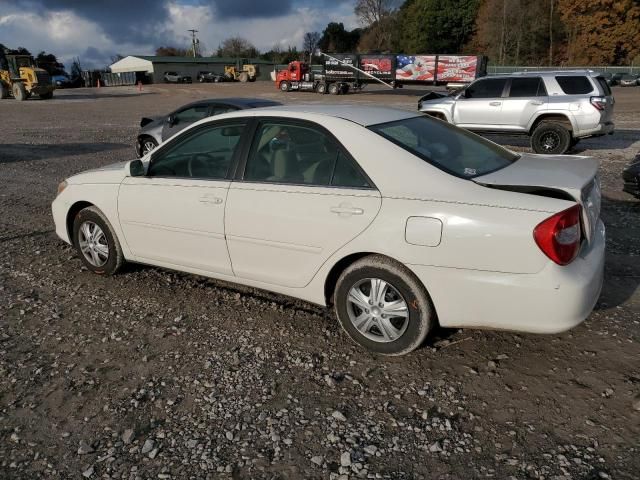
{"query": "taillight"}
pixel 599 102
pixel 559 236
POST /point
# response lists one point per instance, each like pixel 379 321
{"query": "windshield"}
pixel 449 148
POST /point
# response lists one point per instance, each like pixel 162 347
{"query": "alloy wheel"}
pixel 93 244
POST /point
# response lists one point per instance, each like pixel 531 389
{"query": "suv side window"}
pixel 486 88
pixel 206 153
pixel 527 87
pixel 574 84
pixel 300 155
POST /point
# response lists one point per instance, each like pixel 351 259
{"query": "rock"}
pixel 147 447
pixel 229 435
pixel 502 356
pixel 435 447
pixel 84 448
pixel 330 381
pixel 636 403
pixel 88 472
pixel 345 459
pixel 491 365
pixel 371 449
pixel 317 460
pixel 154 453
pixel 127 436
pixel 339 416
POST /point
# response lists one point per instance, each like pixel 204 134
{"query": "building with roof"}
pixel 154 67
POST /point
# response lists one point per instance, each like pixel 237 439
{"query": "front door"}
pixel 480 105
pixel 175 214
pixel 301 198
pixel 182 119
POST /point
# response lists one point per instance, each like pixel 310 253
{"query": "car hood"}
pixel 571 174
pixel 432 99
pixel 112 173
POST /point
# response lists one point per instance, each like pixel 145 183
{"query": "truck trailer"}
pixel 341 73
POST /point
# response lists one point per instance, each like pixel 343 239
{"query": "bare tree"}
pixel 237 47
pixel 374 11
pixel 310 42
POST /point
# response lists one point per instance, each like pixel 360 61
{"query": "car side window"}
pixel 574 84
pixel 220 109
pixel 299 155
pixel 486 88
pixel 527 87
pixel 206 153
pixel 191 115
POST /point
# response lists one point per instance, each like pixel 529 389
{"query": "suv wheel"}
pixel 383 306
pixel 550 138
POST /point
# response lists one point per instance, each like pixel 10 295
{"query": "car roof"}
pixel 360 114
pixel 241 103
pixel 547 73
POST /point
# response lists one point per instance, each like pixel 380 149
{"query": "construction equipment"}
pixel 20 77
pixel 242 71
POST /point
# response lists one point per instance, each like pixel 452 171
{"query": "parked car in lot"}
pixel 629 80
pixel 399 220
pixel 615 78
pixel 206 77
pixel 556 109
pixel 176 77
pixel 155 130
pixel 631 177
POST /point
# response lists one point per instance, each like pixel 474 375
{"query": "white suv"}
pixel 556 109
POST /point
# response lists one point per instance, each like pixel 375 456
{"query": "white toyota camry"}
pixel 399 220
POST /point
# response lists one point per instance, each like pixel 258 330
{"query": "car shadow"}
pixel 620 139
pixel 25 152
pixel 622 262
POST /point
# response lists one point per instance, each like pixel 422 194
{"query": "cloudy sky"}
pixel 95 30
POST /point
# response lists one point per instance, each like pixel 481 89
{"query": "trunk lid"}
pixel 575 176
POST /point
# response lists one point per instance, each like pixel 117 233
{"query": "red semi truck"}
pixel 345 72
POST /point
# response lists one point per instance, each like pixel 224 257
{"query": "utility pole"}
pixel 194 43
pixel 551 33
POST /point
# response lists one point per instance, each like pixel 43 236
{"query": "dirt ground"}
pixel 157 374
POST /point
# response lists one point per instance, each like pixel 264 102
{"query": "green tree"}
pixel 50 63
pixel 435 26
pixel 335 39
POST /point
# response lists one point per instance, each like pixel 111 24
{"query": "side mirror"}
pixel 171 120
pixel 136 168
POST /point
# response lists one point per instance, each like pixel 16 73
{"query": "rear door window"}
pixel 486 88
pixel 527 87
pixel 574 84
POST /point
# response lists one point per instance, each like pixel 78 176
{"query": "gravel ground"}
pixel 157 374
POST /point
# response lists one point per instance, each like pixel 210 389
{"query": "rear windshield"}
pixel 452 149
pixel 574 84
pixel 263 104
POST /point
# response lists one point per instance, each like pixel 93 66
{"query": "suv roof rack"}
pixel 555 72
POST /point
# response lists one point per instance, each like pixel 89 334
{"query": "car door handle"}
pixel 344 210
pixel 495 104
pixel 210 199
pixel 536 102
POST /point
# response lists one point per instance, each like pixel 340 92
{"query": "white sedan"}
pixel 399 220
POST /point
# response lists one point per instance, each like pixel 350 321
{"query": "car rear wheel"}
pixel 551 138
pixel 383 306
pixel 19 92
pixel 334 89
pixel 96 242
pixel 321 88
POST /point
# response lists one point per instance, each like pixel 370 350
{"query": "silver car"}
pixel 155 130
pixel 556 109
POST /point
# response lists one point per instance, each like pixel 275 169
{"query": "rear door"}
pixel 608 94
pixel 299 198
pixel 480 105
pixel 526 98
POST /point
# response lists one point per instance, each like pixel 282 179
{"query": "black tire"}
pixel 4 91
pixel 334 89
pixel 321 88
pixel 115 259
pixel 243 77
pixel 285 86
pixel 405 285
pixel 344 89
pixel 46 96
pixel 147 144
pixel 19 92
pixel 551 138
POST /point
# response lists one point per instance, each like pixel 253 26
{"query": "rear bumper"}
pixel 550 301
pixel 605 128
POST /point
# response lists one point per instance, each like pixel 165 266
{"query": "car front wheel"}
pixel 96 242
pixel 147 144
pixel 383 306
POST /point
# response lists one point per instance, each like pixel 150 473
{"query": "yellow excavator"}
pixel 242 71
pixel 20 77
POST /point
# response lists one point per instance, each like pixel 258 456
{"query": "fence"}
pixel 505 69
pixel 107 79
